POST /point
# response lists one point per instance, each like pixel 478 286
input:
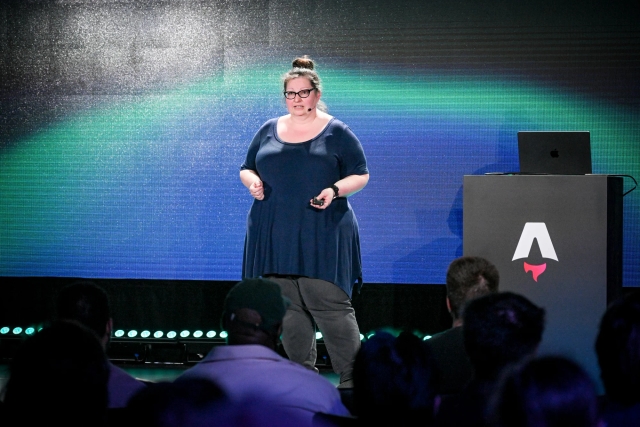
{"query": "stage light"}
pixel 29 331
pixel 211 334
pixel 5 330
pixel 361 337
pixel 132 333
pixel 426 337
pixel 197 334
pixel 184 334
pixel 318 335
pixel 119 333
pixel 223 334
pixel 17 330
pixel 158 334
pixel 370 334
pixel 145 334
pixel 171 334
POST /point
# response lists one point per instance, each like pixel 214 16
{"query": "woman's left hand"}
pixel 325 196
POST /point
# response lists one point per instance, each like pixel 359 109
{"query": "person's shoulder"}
pixel 444 343
pixel 341 130
pixel 336 123
pixel 122 386
pixel 270 123
pixel 450 334
pixel 310 378
pixel 308 375
pixel 117 374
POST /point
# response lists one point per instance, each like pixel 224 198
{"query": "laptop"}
pixel 554 152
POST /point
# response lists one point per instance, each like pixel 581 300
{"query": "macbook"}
pixel 554 152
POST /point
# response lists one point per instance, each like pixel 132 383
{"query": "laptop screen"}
pixel 554 152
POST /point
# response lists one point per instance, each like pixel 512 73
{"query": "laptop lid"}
pixel 555 152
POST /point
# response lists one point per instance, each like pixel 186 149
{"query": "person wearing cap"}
pixel 249 366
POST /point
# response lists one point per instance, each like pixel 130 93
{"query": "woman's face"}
pixel 299 106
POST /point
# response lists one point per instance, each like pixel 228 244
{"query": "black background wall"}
pixel 177 305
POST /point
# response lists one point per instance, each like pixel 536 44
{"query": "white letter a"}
pixel 535 230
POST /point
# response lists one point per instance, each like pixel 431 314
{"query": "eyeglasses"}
pixel 304 93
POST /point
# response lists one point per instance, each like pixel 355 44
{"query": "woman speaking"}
pixel 301 230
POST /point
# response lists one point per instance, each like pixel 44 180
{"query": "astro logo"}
pixel 538 231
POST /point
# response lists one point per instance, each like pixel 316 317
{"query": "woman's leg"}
pixel 331 308
pixel 298 326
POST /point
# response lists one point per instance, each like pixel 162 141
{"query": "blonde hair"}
pixel 305 67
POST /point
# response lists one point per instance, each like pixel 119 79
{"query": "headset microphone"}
pixel 309 109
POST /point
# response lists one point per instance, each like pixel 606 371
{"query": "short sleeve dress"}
pixel 287 236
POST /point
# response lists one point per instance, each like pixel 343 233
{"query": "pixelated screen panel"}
pixel 124 124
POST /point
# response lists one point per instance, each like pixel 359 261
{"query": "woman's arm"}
pixel 346 187
pixel 352 184
pixel 248 177
pixel 252 181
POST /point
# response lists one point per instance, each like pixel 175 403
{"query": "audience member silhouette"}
pixel 468 277
pixel 88 303
pixel 58 377
pixel 550 391
pixel 394 382
pixel 499 329
pixel 250 366
pixel 188 403
pixel 618 350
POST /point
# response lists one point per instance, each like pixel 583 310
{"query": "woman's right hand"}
pixel 257 190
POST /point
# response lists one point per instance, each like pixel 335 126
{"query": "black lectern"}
pixel 557 239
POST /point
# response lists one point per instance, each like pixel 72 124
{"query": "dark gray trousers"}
pixel 315 301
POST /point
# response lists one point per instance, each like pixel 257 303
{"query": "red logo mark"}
pixel 536 270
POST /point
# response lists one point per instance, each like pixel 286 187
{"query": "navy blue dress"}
pixel 285 235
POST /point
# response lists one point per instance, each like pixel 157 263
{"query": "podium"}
pixel 556 239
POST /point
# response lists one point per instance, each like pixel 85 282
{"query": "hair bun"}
pixel 304 62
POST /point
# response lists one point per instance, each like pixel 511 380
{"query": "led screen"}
pixel 123 124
